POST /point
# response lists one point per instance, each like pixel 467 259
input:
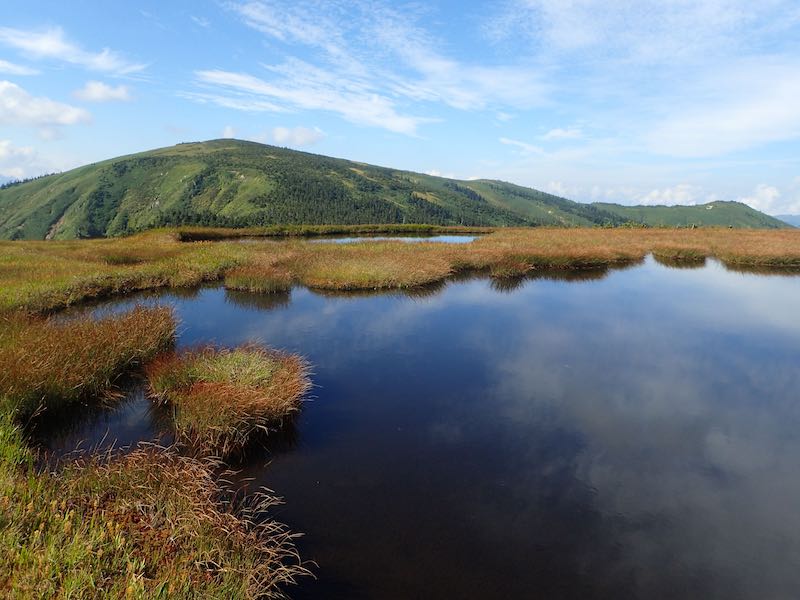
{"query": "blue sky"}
pixel 671 101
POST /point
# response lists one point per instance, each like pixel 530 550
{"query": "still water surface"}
pixel 632 434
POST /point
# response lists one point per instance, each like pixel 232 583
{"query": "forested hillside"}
pixel 233 183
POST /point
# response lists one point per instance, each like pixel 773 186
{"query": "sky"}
pixel 629 101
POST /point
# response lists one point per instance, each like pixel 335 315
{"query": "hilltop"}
pixel 233 183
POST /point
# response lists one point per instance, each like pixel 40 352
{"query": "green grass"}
pixel 150 524
pixel 220 398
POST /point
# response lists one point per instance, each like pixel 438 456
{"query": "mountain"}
pixel 235 183
pixel 793 220
pixel 717 213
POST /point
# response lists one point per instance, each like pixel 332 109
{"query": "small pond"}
pixel 623 434
pixel 442 239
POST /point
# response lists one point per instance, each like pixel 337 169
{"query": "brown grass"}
pixel 39 276
pixel 52 363
pixel 220 398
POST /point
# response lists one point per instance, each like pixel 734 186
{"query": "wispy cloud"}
pixel 18 107
pixel 52 44
pixel 97 91
pixel 748 105
pixel 558 133
pixel 9 68
pixel 369 64
pixel 302 86
pixel 525 147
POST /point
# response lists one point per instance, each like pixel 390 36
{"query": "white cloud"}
pixel 10 68
pixel 52 44
pixel 13 159
pixel 18 107
pixel 97 91
pixel 18 162
pixel 745 106
pixel 229 132
pixel 371 61
pixel 770 200
pixel 303 86
pixel 682 193
pixel 297 136
pixel 571 133
pixel 642 31
pixel 524 146
pixel 201 22
pixel 438 173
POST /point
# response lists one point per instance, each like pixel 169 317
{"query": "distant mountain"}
pixel 718 213
pixel 234 183
pixel 793 220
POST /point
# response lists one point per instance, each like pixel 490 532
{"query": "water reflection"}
pixel 411 239
pixel 634 436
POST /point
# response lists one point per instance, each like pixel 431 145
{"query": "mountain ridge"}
pixel 235 183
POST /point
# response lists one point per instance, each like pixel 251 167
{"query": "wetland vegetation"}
pixel 96 525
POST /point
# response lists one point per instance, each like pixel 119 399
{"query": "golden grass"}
pixel 40 276
pixel 44 276
pixel 45 362
pixel 220 398
pixel 151 524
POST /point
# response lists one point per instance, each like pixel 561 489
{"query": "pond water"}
pixel 629 434
pixel 444 239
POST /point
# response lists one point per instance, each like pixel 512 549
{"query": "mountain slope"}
pixel 718 213
pixel 236 183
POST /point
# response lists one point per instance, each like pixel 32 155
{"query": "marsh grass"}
pixel 149 524
pixel 43 276
pixel 51 363
pixel 220 398
pixel 263 279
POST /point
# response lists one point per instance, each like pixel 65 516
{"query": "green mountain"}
pixel 234 183
pixel 718 213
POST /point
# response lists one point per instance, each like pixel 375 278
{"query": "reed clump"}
pixel 48 362
pixel 220 398
pixel 371 265
pixel 149 524
pixel 262 279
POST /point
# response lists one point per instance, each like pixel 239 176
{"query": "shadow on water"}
pixel 634 436
pixel 118 422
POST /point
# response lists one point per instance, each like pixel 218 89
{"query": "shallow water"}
pixel 632 434
pixel 444 239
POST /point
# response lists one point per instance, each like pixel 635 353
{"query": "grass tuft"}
pixel 150 524
pixel 220 398
pixel 46 362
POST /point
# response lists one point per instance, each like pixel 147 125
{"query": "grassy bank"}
pixel 151 524
pixel 50 363
pixel 221 398
pixel 41 276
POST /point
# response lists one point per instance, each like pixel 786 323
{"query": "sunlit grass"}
pixel 50 363
pixel 42 276
pixel 220 398
pixel 151 524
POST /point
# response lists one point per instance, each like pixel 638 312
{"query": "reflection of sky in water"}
pixel 633 436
